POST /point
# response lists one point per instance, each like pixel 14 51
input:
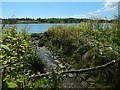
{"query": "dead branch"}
pixel 41 75
pixel 82 70
pixel 93 68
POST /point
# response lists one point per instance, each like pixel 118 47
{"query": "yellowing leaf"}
pixel 38 73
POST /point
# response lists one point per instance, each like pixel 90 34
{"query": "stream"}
pixel 51 62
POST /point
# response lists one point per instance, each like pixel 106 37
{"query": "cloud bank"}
pixel 108 6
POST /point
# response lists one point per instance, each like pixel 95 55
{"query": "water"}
pixel 39 28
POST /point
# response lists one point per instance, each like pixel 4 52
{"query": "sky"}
pixel 59 9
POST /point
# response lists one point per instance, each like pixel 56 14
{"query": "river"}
pixel 40 28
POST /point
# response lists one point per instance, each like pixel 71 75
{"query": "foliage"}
pixel 18 58
pixel 90 44
pixel 87 45
pixel 46 20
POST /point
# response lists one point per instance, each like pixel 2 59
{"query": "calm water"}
pixel 41 28
pixel 38 28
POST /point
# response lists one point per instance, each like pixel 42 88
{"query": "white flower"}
pixel 110 48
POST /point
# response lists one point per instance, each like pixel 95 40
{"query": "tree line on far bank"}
pixel 47 20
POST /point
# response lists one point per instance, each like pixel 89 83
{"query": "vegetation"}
pixel 88 45
pixel 20 62
pixel 44 20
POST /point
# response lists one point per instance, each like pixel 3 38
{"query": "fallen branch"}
pixel 35 76
pixel 82 70
pixel 93 68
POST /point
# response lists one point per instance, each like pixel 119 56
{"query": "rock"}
pixel 75 74
pixel 56 61
pixel 79 79
pixel 84 84
pixel 66 65
pixel 61 66
pixel 72 74
pixel 90 80
pixel 52 56
pixel 55 57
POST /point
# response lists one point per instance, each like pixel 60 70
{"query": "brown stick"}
pixel 93 68
pixel 83 70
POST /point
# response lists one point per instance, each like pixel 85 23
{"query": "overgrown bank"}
pixel 80 46
pixel 84 47
pixel 20 62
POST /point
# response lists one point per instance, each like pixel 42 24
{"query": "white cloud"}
pixel 109 5
pixel 112 0
pixel 94 15
pixel 97 11
pixel 78 16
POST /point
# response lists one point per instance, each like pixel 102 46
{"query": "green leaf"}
pixel 12 85
pixel 2 56
pixel 29 88
pixel 4 62
pixel 5 79
pixel 5 47
pixel 14 39
pixel 20 80
pixel 47 73
pixel 13 73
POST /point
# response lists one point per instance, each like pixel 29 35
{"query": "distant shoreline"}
pixel 47 20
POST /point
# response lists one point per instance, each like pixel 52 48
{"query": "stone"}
pixel 84 84
pixel 72 74
pixel 79 79
pixel 55 57
pixel 56 61
pixel 90 80
pixel 75 74
pixel 61 66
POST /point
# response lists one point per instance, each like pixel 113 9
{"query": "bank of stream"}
pixel 52 63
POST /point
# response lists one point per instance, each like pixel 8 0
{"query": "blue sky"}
pixel 58 9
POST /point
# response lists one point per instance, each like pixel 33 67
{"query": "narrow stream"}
pixel 70 80
pixel 47 58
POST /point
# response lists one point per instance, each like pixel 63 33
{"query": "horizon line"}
pixel 56 18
